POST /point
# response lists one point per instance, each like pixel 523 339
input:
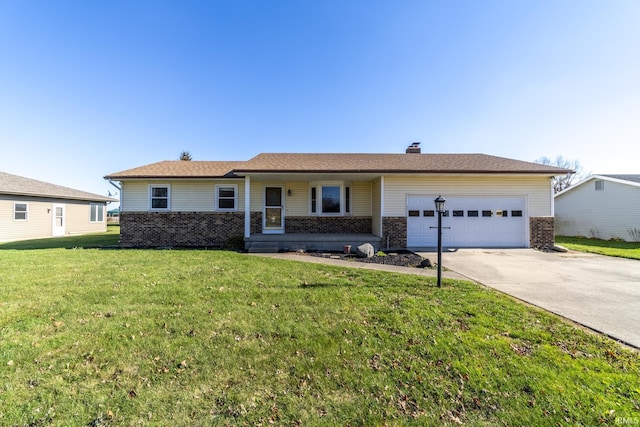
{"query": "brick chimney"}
pixel 414 148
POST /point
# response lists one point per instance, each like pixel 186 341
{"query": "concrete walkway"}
pixel 600 292
pixel 366 265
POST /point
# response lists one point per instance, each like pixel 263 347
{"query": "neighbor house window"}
pixel 226 197
pixel 159 197
pixel 97 212
pixel 599 185
pixel 20 211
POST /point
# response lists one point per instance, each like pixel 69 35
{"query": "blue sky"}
pixel 91 88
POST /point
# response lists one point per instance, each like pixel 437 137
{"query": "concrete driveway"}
pixel 602 293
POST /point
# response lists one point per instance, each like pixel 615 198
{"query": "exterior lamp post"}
pixel 440 201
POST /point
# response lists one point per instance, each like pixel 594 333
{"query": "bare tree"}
pixel 563 182
pixel 186 156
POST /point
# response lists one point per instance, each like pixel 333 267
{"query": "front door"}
pixel 273 214
pixel 57 228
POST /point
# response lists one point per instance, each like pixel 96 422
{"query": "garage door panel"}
pixel 474 221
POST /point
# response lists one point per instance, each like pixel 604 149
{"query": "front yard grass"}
pixel 174 337
pixel 615 248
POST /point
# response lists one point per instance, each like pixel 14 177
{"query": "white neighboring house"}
pixel 31 209
pixel 601 206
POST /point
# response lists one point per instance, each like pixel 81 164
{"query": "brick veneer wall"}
pixel 256 222
pixel 541 232
pixel 328 224
pixel 180 229
pixel 395 229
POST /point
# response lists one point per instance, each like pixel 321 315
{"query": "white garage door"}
pixel 474 222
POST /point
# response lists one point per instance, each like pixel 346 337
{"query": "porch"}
pixel 264 243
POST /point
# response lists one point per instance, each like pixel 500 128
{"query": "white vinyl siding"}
pixel 536 190
pixel 613 212
pixel 297 204
pixel 360 198
pixel 376 211
pixel 186 196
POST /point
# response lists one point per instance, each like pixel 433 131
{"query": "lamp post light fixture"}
pixel 440 201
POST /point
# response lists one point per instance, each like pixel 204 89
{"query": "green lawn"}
pixel 175 337
pixel 615 248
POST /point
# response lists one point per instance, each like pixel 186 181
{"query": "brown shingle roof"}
pixel 339 163
pixel 20 186
pixel 393 163
pixel 179 169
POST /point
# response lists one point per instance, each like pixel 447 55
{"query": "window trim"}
pixel 218 198
pixel 151 188
pixel 25 212
pixel 317 188
pixel 99 213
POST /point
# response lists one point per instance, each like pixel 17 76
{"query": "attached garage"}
pixel 472 221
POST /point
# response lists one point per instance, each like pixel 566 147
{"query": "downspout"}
pixel 553 205
pixel 119 193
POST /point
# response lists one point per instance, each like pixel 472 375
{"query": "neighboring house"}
pixel 31 209
pixel 601 206
pixel 325 201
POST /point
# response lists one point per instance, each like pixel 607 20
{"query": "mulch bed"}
pixel 399 258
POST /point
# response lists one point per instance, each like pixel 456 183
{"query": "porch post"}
pixel 247 207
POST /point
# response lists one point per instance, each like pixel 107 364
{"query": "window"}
pixel 472 214
pixel 97 212
pixel 313 199
pixel 458 213
pixel 486 214
pixel 414 213
pixel 331 199
pixel 599 185
pixel 20 211
pixel 516 213
pixel 159 197
pixel 226 197
pixel 429 213
pixel 445 213
pixel 347 199
pixel 502 213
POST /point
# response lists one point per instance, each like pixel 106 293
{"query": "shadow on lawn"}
pixel 109 240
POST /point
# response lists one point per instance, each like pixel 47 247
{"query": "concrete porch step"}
pixel 264 247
